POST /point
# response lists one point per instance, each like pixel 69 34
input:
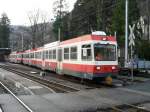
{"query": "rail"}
pixel 18 99
pixel 57 87
pixel 128 108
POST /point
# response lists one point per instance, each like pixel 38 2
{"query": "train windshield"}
pixel 104 52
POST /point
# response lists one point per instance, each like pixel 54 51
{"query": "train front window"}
pixel 104 52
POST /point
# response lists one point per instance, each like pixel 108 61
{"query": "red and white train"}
pixel 89 56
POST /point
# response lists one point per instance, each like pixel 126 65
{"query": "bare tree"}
pixel 38 25
pixel 43 28
pixel 60 8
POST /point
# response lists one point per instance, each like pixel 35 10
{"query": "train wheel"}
pixel 108 80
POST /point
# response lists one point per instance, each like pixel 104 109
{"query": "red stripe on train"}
pixel 52 65
pixel 90 68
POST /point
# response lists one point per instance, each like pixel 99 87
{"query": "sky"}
pixel 18 10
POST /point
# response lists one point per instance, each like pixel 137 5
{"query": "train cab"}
pixel 90 56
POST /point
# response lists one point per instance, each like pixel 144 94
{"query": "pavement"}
pixel 41 99
pixel 9 104
pixel 81 101
pixel 23 85
pixel 144 87
pixel 89 100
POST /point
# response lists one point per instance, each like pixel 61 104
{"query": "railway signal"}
pixel 131 44
pixel 131 36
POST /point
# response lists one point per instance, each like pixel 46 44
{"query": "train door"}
pixel 86 57
pixel 59 61
pixel 43 59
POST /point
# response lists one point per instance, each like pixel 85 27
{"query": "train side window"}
pixel 44 54
pixel 86 52
pixel 73 53
pixel 32 55
pixel 47 55
pixel 66 53
pixel 36 55
pixel 54 54
pixel 40 55
pixel 50 54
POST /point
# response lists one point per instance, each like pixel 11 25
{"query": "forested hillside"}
pixel 104 15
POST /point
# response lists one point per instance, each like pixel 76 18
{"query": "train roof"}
pixel 53 44
pixel 95 36
pixel 36 49
pixel 89 37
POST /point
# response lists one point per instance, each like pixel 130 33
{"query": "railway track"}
pixel 57 87
pixel 88 84
pixel 125 108
pixel 16 98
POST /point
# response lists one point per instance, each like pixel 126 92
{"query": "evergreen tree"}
pixel 142 48
pixel 4 31
pixel 87 16
pixel 60 10
pixel 118 19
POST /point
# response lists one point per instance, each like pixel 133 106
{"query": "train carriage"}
pixel 12 57
pixel 50 56
pixel 79 56
pixel 15 57
pixel 25 56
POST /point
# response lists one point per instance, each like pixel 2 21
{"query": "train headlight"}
pixel 104 38
pixel 98 68
pixel 113 67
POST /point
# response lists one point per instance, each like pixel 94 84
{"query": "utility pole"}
pixel 115 34
pixel 126 34
pixel 22 41
pixel 59 29
pixel 148 20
